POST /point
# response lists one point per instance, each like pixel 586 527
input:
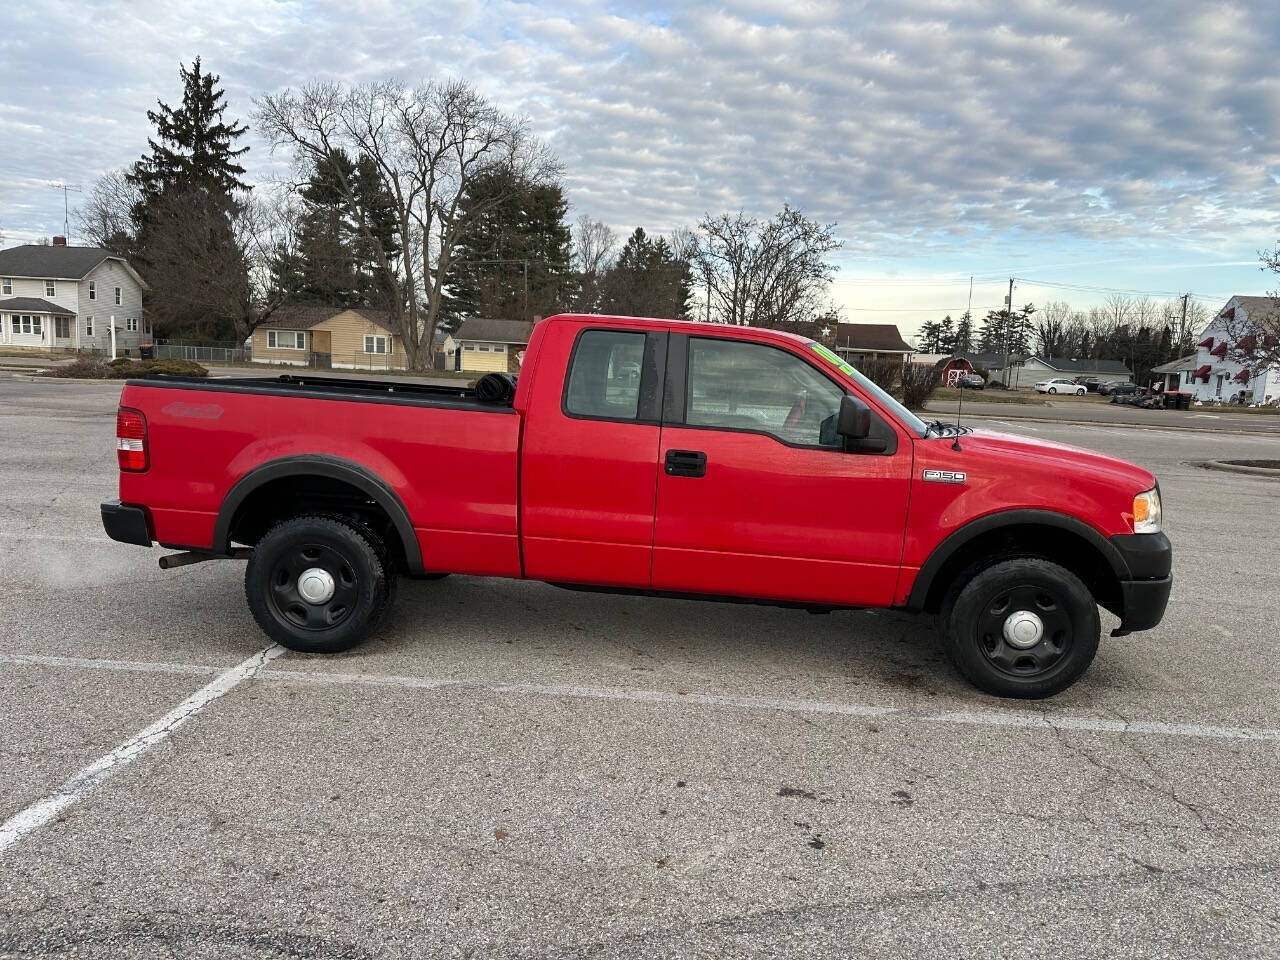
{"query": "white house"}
pixel 66 298
pixel 1212 373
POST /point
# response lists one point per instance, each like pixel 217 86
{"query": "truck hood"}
pixel 1061 458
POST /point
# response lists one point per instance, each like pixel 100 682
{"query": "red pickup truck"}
pixel 653 456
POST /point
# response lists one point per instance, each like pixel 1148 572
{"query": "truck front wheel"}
pixel 1021 628
pixel 315 584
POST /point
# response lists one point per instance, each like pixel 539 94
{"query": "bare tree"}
pixel 594 243
pixel 764 272
pixel 1253 334
pixel 429 144
pixel 105 218
pixel 1051 329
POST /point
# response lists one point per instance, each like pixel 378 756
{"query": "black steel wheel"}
pixel 1021 628
pixel 316 584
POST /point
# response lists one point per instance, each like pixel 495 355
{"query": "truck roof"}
pixel 685 326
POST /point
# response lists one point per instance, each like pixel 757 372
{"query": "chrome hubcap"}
pixel 315 585
pixel 1023 629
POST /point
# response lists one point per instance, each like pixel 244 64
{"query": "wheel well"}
pixel 297 495
pixel 1050 543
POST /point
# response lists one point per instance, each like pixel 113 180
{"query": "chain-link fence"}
pixel 202 352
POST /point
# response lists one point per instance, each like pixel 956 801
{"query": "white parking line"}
pixel 44 810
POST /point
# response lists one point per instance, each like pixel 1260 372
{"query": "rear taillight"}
pixel 131 440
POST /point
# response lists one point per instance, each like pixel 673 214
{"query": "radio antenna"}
pixel 955 444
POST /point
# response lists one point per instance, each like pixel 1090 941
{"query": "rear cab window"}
pixel 604 375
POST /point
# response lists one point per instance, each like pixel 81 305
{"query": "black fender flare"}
pixel 1008 518
pixel 333 468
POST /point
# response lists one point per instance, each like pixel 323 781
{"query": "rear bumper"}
pixel 1144 597
pixel 125 523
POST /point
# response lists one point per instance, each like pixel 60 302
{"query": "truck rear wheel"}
pixel 1023 628
pixel 316 584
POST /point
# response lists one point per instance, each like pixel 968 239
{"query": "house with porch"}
pixel 1214 374
pixel 61 297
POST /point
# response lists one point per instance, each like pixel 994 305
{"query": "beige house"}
pixel 484 344
pixel 357 338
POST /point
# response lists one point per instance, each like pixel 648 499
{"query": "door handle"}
pixel 686 463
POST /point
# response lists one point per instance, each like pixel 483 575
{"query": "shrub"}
pixel 918 384
pixel 882 372
pixel 122 368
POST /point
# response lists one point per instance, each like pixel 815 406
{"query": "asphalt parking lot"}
pixel 512 770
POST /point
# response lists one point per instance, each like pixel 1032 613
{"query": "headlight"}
pixel 1146 512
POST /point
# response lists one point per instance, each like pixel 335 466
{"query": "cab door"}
pixel 757 495
pixel 589 455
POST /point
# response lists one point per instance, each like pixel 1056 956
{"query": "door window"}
pixel 604 375
pixel 749 386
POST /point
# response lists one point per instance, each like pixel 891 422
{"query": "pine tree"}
pixel 946 335
pixel 190 194
pixel 648 280
pixel 193 147
pixel 964 334
pixel 514 260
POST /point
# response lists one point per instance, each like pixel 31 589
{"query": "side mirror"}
pixel 854 422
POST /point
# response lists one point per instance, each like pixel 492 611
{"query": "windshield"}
pixel 909 419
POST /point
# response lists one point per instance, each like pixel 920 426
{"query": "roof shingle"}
pixel 57 263
pixel 493 330
pixel 33 305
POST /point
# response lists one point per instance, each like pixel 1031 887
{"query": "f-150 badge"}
pixel 943 476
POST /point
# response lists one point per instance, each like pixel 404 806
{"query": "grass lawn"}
pixel 988 396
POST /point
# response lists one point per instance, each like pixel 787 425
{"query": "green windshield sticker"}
pixel 832 358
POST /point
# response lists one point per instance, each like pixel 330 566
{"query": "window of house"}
pixel 27 324
pixel 93 290
pixel 604 375
pixel 50 289
pixel 88 326
pixel 483 347
pixel 117 296
pixel 17 323
pixel 146 327
pixel 736 385
pixel 375 344
pixel 6 286
pixel 287 339
pixel 499 348
pixel 131 324
pixel 62 328
pixel 468 346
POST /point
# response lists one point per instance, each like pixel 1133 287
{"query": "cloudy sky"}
pixel 1075 146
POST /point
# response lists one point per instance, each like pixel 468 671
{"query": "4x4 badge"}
pixel 943 476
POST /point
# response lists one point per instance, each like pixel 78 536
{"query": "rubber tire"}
pixel 1053 389
pixel 344 537
pixel 957 624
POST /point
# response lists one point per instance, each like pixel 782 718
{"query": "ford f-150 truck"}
pixel 657 456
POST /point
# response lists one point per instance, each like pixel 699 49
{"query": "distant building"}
pixel 1211 373
pixel 1035 369
pixel 68 298
pixel 329 337
pixel 855 342
pixel 486 344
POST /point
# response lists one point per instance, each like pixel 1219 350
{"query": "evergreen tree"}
pixel 964 342
pixel 648 280
pixel 946 335
pixel 514 259
pixel 190 194
pixel 193 147
pixel 326 244
pixel 930 335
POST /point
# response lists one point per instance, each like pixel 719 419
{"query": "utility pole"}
pixel 1008 324
pixel 1182 327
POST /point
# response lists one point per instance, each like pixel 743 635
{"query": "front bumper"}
pixel 125 523
pixel 1144 596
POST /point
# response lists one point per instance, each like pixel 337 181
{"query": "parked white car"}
pixel 1061 385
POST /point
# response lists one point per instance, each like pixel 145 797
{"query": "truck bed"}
pixel 372 390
